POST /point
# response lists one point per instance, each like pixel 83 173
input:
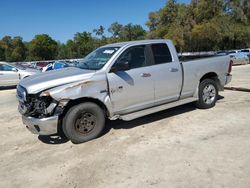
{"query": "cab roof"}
pixel 139 42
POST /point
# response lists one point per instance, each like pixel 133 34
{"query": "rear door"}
pixel 133 89
pixel 8 76
pixel 167 74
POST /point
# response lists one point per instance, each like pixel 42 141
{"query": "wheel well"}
pixel 214 77
pixel 72 103
pixel 82 100
pixel 210 75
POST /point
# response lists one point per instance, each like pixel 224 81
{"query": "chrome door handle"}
pixel 145 75
pixel 174 70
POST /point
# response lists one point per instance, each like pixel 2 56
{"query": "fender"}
pixel 94 88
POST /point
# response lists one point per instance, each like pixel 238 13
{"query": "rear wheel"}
pixel 83 122
pixel 208 94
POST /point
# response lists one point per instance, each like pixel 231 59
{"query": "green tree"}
pixel 42 47
pixel 241 36
pixel 205 10
pixel 173 22
pixel 202 24
pixel 63 51
pixel 168 13
pixel 238 10
pixel 12 49
pixel 2 53
pixel 84 43
pixel 6 44
pixel 99 31
pixel 19 49
pixel 126 32
pixel 115 29
pixel 154 19
pixel 132 32
pixel 101 38
pixel 72 49
pixel 152 24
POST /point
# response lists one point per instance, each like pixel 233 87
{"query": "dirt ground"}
pixel 180 147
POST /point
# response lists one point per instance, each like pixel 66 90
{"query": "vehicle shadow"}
pixel 7 87
pixel 119 124
pixel 53 139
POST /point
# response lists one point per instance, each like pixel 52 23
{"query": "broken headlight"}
pixel 40 106
pixel 21 93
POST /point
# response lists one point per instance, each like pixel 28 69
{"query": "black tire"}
pixel 207 99
pixel 83 122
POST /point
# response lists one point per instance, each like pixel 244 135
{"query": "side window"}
pixel 161 53
pixel 4 67
pixel 136 56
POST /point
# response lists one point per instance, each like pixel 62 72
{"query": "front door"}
pixel 133 89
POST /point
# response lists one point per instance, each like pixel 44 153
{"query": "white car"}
pixel 239 58
pixel 247 52
pixel 10 75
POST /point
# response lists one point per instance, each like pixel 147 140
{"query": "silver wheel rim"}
pixel 208 94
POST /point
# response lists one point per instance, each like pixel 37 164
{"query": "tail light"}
pixel 230 66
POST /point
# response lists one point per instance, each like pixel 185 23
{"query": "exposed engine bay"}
pixel 35 105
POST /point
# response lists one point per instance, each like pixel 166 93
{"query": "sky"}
pixel 61 19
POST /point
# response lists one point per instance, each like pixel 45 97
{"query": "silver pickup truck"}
pixel 118 81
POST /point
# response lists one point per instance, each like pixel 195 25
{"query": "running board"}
pixel 148 111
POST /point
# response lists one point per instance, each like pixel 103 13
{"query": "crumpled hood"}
pixel 40 82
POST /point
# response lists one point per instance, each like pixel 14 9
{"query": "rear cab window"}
pixel 161 53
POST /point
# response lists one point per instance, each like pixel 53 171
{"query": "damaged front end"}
pixel 37 106
pixel 40 112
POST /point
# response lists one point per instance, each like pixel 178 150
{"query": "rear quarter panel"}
pixel 196 69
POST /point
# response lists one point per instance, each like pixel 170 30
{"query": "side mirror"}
pixel 14 69
pixel 121 65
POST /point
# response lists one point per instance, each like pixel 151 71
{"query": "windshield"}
pixel 98 58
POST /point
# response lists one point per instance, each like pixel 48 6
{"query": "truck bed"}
pixel 193 70
pixel 185 58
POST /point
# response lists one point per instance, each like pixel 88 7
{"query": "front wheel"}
pixel 208 94
pixel 83 122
